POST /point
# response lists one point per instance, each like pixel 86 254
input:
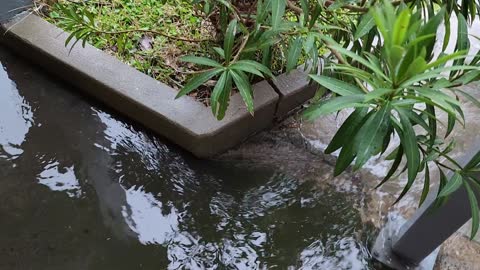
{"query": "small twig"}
pixel 20 8
pixel 293 7
pixel 349 7
pixel 196 71
pixel 250 9
pixel 240 49
pixel 152 32
pixel 90 2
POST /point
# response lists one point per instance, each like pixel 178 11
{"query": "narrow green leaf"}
pixel 245 89
pixel 450 124
pixel 348 152
pixel 394 167
pixel 474 209
pixel 474 162
pixel 426 186
pixel 452 185
pixel 410 147
pixel 252 67
pixel 294 52
pixel 442 60
pixel 377 93
pixel 417 119
pixel 463 43
pixel 217 91
pixel 339 87
pixel 225 98
pixel 333 105
pixel 200 61
pixel 197 81
pixel 468 77
pixel 342 136
pixel 446 39
pixel 220 52
pixel 229 40
pixel 400 27
pixel 471 98
pixel 366 24
pixel 278 10
pixel 305 9
pixel 370 137
pixel 361 60
pixel 309 43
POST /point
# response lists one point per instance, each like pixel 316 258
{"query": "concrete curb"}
pixel 185 121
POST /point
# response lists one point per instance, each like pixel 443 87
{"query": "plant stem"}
pixel 240 49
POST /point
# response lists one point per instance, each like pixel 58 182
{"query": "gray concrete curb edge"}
pixel 185 121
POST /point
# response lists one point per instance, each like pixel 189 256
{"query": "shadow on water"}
pixel 83 189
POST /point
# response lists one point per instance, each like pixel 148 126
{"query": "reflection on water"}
pixel 16 119
pixel 87 190
pixel 58 180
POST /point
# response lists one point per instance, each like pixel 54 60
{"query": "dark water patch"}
pixel 83 189
pixel 10 8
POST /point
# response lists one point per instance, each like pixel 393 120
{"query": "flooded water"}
pixel 81 188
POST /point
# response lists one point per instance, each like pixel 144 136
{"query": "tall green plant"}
pixel 400 91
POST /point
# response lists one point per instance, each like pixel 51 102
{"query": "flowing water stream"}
pixel 81 188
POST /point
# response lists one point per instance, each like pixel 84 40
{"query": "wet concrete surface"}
pixel 81 188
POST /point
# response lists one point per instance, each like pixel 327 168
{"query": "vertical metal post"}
pixel 409 246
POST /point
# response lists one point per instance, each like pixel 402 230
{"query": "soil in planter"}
pixel 189 32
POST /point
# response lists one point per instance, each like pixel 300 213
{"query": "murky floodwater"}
pixel 9 8
pixel 83 189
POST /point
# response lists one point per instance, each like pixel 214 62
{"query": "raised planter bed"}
pixel 185 121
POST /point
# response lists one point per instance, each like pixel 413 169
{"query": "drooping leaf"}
pixel 474 162
pixel 474 209
pixel 197 81
pixel 342 136
pixel 245 89
pixel 410 147
pixel 333 105
pixel 394 167
pixel 370 137
pixel 217 91
pixel 426 186
pixel 252 67
pixel 450 124
pixel 339 87
pixel 220 52
pixel 366 24
pixel 452 185
pixel 200 61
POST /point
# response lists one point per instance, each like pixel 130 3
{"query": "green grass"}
pixel 175 18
